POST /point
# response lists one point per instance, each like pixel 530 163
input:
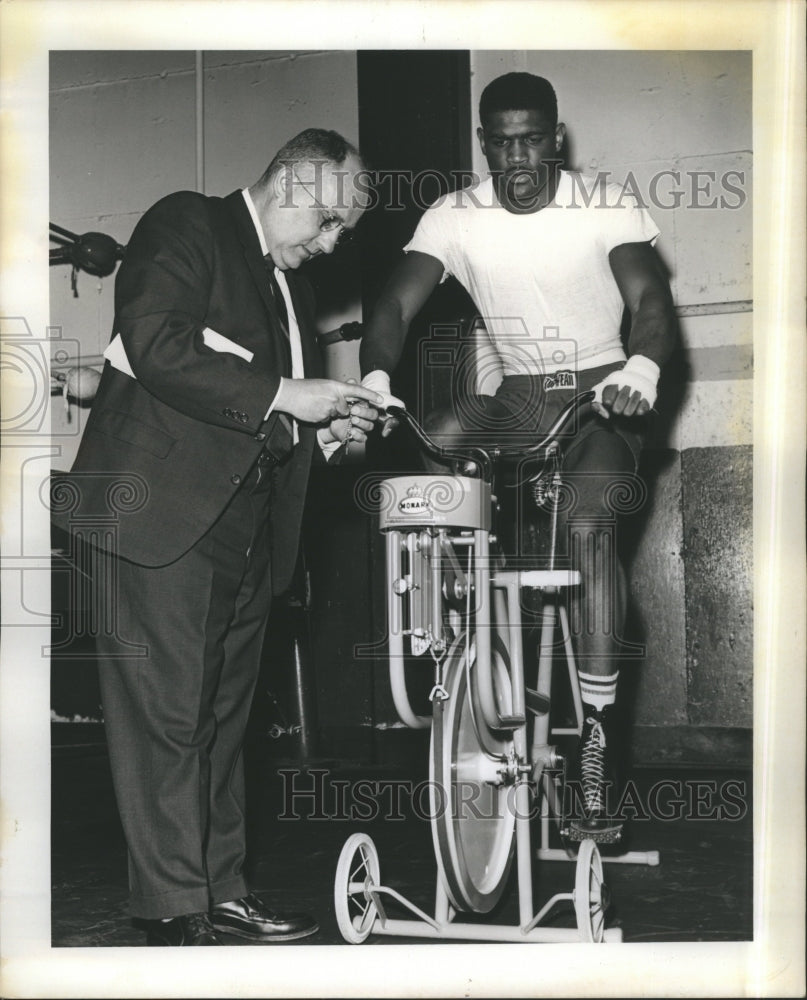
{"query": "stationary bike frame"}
pixel 452 597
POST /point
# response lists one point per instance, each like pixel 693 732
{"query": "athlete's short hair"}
pixel 519 92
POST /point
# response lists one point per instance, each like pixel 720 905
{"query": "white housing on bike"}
pixel 406 502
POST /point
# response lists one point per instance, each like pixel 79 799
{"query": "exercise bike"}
pixel 453 597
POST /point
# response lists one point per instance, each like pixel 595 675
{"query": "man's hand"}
pixel 629 392
pixel 321 400
pixel 354 427
pixel 378 380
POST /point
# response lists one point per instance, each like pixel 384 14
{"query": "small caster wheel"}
pixel 590 893
pixel 356 874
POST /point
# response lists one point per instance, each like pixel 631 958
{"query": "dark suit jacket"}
pixel 168 449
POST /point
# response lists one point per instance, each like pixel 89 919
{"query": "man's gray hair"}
pixel 313 145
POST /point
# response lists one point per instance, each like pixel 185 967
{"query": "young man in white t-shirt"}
pixel 550 258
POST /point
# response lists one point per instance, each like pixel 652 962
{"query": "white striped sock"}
pixel 598 691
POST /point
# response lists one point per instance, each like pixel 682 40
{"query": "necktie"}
pixel 286 433
pixel 277 295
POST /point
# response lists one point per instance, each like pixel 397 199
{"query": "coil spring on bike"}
pixel 544 489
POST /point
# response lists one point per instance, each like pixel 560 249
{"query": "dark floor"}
pixel 701 891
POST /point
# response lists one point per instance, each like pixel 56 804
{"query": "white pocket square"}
pixel 218 342
pixel 116 352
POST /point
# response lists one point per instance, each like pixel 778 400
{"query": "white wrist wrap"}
pixel 643 367
pixel 640 373
pixel 378 381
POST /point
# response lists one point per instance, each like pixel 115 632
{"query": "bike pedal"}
pixel 538 704
pixel 511 721
pixel 612 836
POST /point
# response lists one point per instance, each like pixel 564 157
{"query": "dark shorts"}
pixel 600 456
pixel 525 406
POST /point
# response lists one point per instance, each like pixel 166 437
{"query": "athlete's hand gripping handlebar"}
pixel 484 458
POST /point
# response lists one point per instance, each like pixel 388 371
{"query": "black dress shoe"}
pixel 249 917
pixel 190 929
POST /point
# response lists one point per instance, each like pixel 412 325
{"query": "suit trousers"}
pixel 176 717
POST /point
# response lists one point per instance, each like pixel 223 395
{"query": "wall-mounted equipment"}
pixel 95 253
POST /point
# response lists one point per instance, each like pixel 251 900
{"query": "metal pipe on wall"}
pixel 200 124
pixel 83 360
pixel 716 308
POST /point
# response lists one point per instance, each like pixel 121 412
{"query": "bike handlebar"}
pixel 470 453
pixel 486 457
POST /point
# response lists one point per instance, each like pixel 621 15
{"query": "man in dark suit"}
pixel 198 447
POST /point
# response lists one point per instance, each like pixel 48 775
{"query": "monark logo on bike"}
pixel 414 502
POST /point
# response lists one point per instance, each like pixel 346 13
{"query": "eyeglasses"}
pixel 331 222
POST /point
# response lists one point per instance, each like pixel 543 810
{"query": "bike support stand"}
pixel 360 902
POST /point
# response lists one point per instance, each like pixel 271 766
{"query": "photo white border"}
pixel 771 965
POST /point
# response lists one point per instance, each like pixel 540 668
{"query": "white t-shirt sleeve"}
pixel 433 237
pixel 625 220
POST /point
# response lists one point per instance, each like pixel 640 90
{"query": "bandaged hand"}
pixel 378 381
pixel 629 392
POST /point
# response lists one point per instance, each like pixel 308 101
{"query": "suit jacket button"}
pixel 227 411
pixel 235 480
pixel 260 436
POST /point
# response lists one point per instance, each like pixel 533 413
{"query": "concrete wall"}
pixel 638 114
pixel 123 134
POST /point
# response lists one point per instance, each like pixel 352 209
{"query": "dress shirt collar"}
pixel 255 220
